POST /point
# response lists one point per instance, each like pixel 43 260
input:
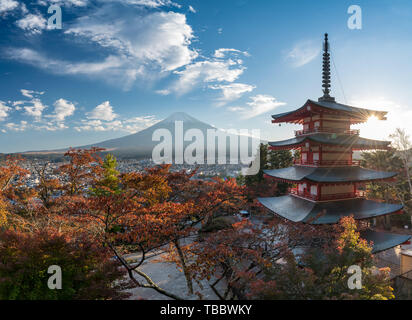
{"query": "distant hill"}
pixel 140 144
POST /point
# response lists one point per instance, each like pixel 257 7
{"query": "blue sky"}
pixel 117 67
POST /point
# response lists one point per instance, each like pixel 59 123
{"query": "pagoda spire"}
pixel 326 72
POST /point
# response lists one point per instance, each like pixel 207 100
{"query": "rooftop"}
pixel 301 210
pixel 349 140
pixel 355 114
pixel 328 174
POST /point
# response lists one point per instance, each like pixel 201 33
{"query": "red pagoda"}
pixel 327 178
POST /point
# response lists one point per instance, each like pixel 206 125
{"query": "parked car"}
pixel 244 214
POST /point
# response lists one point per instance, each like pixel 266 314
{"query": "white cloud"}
pixel 163 92
pixel 303 53
pixel 136 124
pixel 29 94
pixel 103 111
pixel 69 3
pixel 232 91
pixel 142 46
pixel 191 9
pixel 207 71
pixel 235 109
pixel 112 69
pixel 32 23
pixel 22 126
pixel 132 125
pixel 62 109
pixel 213 72
pixel 4 111
pixel 8 5
pixel 35 109
pixel 220 53
pixel 17 103
pixel 51 126
pixel 161 38
pixel 260 104
pixel 146 3
pixel 24 9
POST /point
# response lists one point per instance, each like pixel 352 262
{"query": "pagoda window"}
pixel 314 190
pixel 317 124
pixel 316 156
pixel 304 156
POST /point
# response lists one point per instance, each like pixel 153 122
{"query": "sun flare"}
pixel 372 128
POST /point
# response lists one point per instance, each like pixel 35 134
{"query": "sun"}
pixel 373 123
pixel 372 119
pixel 371 129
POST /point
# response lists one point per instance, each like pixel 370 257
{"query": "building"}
pixel 327 178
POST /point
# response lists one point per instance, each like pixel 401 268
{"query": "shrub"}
pixel 88 272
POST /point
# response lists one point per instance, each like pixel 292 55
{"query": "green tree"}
pixel 269 159
pixel 389 191
pixel 109 183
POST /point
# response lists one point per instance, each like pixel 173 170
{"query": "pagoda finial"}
pixel 326 72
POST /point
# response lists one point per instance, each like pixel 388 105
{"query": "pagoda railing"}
pixel 326 130
pixel 327 162
pixel 326 197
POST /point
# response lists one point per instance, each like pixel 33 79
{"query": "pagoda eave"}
pixel 301 210
pixel 382 241
pixel 311 107
pixel 342 140
pixel 328 174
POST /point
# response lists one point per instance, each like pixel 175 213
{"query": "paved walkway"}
pixel 168 277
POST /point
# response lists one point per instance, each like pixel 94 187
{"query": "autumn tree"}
pixel 14 193
pixel 84 167
pixel 141 212
pixel 88 272
pixel 125 219
pixel 46 187
pixel 321 272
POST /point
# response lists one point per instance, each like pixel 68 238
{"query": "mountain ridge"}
pixel 141 144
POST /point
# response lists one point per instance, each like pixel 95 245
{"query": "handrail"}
pixel 335 196
pixel 326 130
pixel 327 162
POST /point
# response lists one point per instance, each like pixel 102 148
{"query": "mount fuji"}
pixel 141 144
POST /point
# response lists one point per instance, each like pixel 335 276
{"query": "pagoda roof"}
pixel 383 240
pixel 349 140
pixel 302 210
pixel 315 107
pixel 328 174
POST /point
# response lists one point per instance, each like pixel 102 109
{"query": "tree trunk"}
pixel 387 218
pixel 186 272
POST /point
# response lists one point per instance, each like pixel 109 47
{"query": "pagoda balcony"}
pixel 327 197
pixel 317 163
pixel 326 130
